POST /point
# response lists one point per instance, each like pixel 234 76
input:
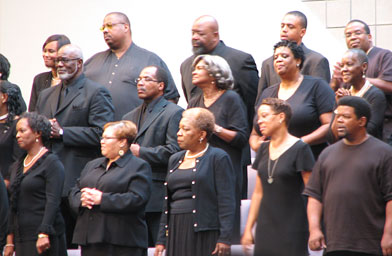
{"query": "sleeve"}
pixel 101 111
pixel 386 67
pixel 236 121
pixel 54 180
pixel 385 179
pixel 3 211
pixel 33 96
pixel 160 154
pixel 325 97
pixel 378 104
pixel 321 70
pixel 224 186
pixel 314 187
pixel 263 82
pixel 137 196
pixel 305 159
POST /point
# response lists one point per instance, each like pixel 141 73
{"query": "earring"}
pixel 297 65
pixel 280 121
pixel 363 75
pixel 200 140
pixel 36 140
pixel 121 152
pixel 210 74
pixel 212 82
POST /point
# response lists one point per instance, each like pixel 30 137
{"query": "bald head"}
pixel 72 50
pixel 120 16
pixel 205 34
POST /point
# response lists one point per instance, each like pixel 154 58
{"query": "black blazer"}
pixel 244 71
pixel 213 194
pixel 41 82
pixel 119 219
pixel 82 114
pixel 158 141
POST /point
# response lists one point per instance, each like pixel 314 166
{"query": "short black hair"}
pixel 161 75
pixel 60 39
pixel 279 106
pixel 5 67
pixel 360 105
pixel 296 49
pixel 365 26
pixel 304 20
pixel 361 55
pixel 38 123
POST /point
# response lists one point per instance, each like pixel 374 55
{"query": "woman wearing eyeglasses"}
pixel 110 197
pixel 50 78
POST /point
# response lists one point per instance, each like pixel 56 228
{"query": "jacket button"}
pixel 165 226
pixel 194 196
pixel 194 211
pixel 165 183
pixel 193 182
pixel 165 197
pixel 165 212
pixel 195 225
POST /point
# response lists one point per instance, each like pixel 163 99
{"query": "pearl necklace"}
pixel 32 160
pixel 198 154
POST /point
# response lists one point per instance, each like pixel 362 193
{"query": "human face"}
pixel 352 70
pixel 114 31
pixel 188 135
pixel 148 87
pixel 284 61
pixel 204 38
pixel 347 122
pixel 25 136
pixel 200 75
pixel 291 29
pixel 69 66
pixel 50 53
pixel 356 36
pixel 268 120
pixel 110 144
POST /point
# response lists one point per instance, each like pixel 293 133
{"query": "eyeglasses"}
pixel 146 79
pixel 108 138
pixel 109 26
pixel 64 60
pixel 355 33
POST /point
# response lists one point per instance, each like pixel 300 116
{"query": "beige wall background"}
pixel 164 27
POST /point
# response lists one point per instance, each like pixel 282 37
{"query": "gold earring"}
pixel 121 152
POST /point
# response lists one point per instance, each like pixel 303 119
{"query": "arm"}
pixel 10 246
pixel 255 140
pixel 316 236
pixel 247 238
pixel 100 112
pixel 385 86
pixel 305 176
pixel 319 135
pixel 378 104
pixel 336 81
pixel 386 241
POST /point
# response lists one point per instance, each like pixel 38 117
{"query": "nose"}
pixel 195 36
pixel 17 135
pixel 179 133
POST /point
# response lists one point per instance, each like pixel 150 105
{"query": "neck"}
pixel 356 139
pixel 54 73
pixel 279 136
pixel 33 151
pixel 197 148
pixel 123 48
pixel 210 91
pixel 291 80
pixel 74 78
pixel 359 84
pixel 148 101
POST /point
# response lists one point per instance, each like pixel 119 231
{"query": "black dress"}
pixel 35 205
pixel 9 149
pixel 282 227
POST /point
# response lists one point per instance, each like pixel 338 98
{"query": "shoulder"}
pixel 130 116
pixel 316 81
pixel 268 61
pixel 175 158
pixel 187 62
pixel 98 56
pixel 379 146
pixel 376 92
pixel 135 49
pixel 43 76
pixel 173 108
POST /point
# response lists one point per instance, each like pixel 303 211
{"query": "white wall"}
pixel 163 27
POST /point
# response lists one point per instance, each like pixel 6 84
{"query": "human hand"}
pixel 135 149
pixel 55 133
pixel 9 250
pixel 341 92
pixel 90 197
pixel 386 244
pixel 222 249
pixel 316 240
pixel 159 248
pixel 42 244
pixel 247 242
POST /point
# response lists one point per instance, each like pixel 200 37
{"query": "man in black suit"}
pixel 293 28
pixel 77 109
pixel 157 120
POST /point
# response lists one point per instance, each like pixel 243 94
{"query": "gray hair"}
pixel 75 50
pixel 218 68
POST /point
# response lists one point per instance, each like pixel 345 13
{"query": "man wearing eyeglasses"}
pixel 157 120
pixel 78 109
pixel 379 71
pixel 119 66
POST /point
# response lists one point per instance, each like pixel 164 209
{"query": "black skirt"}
pixel 183 240
pixel 104 249
pixel 29 248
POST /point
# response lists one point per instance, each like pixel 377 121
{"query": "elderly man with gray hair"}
pixel 78 109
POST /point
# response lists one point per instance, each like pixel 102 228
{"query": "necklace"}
pixel 271 173
pixel 3 117
pixel 32 160
pixel 198 154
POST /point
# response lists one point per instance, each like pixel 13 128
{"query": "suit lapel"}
pixel 54 99
pixel 156 111
pixel 70 96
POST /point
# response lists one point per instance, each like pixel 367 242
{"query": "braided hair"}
pixel 14 107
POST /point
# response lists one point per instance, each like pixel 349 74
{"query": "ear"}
pixel 161 86
pixel 282 117
pixel 364 67
pixel 4 98
pixel 80 63
pixel 362 121
pixel 303 32
pixel 123 143
pixel 203 134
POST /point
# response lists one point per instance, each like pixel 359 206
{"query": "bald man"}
pixel 206 40
pixel 118 67
pixel 78 108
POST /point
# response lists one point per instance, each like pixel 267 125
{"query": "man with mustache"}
pixel 119 66
pixel 78 108
pixel 350 188
pixel 379 72
pixel 157 121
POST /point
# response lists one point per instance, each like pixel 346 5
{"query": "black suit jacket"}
pixel 82 114
pixel 244 71
pixel 157 138
pixel 40 83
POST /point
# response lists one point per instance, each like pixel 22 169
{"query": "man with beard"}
pixel 118 67
pixel 293 28
pixel 351 188
pixel 157 121
pixel 78 109
pixel 379 72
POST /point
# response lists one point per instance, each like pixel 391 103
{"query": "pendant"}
pixel 270 180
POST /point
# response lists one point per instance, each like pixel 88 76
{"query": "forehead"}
pixel 22 123
pixel 264 108
pixel 148 71
pixel 201 26
pixel 283 49
pixel 51 45
pixel 355 26
pixel 345 110
pixel 111 18
pixel 109 130
pixel 291 19
pixel 350 56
